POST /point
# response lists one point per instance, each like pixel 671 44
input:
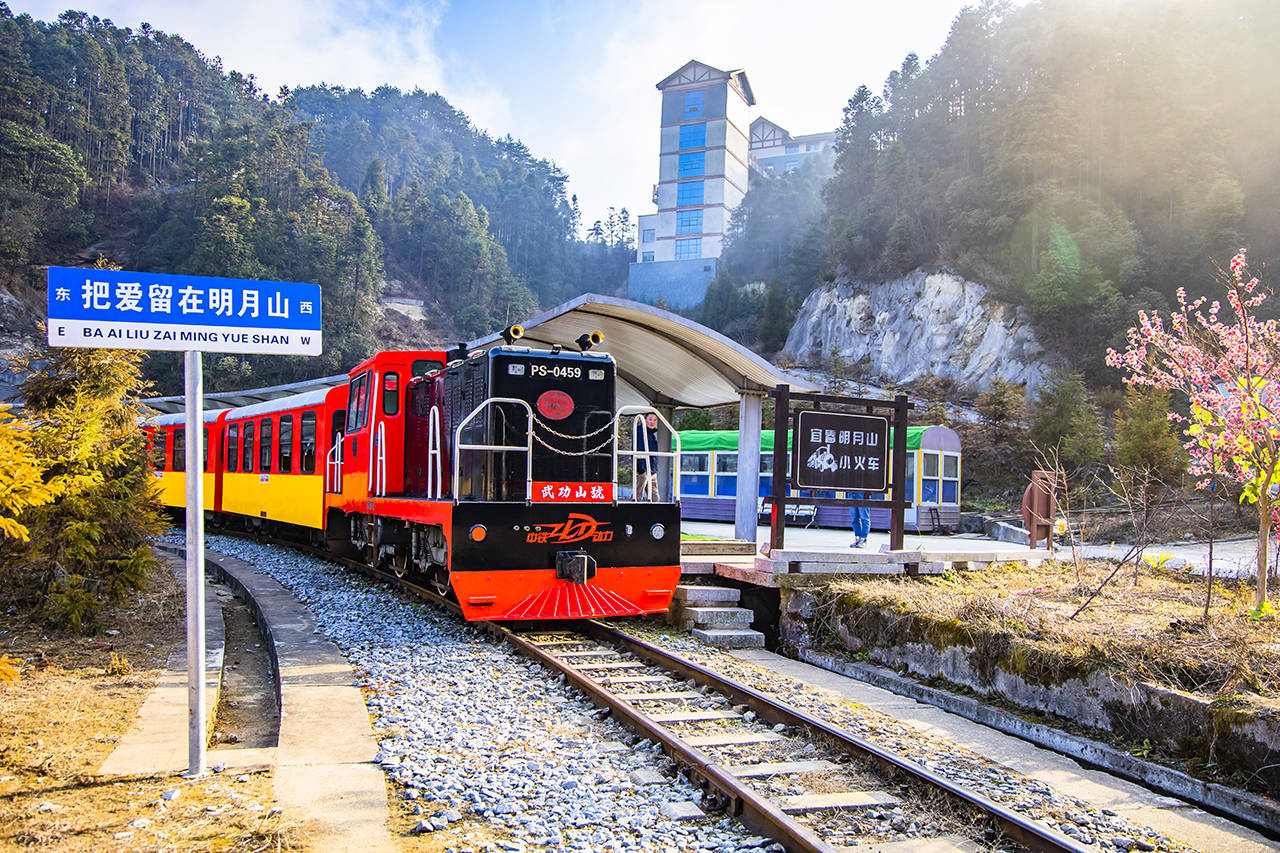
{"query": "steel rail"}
pixel 1027 832
pixel 725 790
pixel 755 812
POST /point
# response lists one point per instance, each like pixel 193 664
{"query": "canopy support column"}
pixel 744 526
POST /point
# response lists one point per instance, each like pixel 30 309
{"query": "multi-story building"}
pixel 774 151
pixel 703 163
pixel 707 154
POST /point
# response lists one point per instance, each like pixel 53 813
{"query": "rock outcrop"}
pixel 919 325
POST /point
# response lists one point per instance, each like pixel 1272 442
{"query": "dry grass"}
pixel 73 700
pixel 1149 623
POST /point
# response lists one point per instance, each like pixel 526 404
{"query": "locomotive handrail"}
pixel 637 425
pixel 435 455
pixel 371 402
pixel 333 465
pixel 380 476
pixel 527 447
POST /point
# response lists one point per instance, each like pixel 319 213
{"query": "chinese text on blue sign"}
pixel 132 310
pixel 834 450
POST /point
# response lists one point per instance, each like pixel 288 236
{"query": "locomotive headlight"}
pixel 478 533
pixel 658 531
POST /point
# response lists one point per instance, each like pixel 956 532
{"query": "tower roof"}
pixel 695 73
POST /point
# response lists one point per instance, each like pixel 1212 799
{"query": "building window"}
pixel 646 236
pixel 646 257
pixel 693 104
pixel 692 164
pixel 689 222
pixel 688 249
pixel 689 193
pixel 793 149
pixel 693 136
pixel 811 146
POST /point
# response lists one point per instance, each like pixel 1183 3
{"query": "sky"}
pixel 574 80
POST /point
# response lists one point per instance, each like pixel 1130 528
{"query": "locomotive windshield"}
pixel 571 395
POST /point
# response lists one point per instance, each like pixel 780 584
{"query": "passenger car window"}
pixel 285 459
pixel 307 449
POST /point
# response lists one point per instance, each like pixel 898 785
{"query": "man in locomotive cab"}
pixel 646 480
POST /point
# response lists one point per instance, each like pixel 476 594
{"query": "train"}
pixel 492 476
pixel 709 481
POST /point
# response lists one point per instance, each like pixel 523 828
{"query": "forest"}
pixel 1083 158
pixel 132 144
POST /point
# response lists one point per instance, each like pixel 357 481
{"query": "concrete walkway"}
pixel 323 765
pixel 1232 558
pixel 157 741
pixel 1170 816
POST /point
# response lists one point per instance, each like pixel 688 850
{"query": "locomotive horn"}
pixel 513 333
pixel 587 341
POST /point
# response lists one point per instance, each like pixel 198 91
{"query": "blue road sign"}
pixel 133 310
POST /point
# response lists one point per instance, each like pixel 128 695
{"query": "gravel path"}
pixel 1072 816
pixel 492 751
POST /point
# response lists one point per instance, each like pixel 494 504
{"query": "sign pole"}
pixel 197 710
pixel 898 497
pixel 120 309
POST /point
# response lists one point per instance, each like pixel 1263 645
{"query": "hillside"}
pixel 1081 159
pixel 132 144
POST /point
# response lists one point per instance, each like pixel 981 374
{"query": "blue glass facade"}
pixel 689 192
pixel 693 135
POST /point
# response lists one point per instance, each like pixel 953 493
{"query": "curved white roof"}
pixel 663 358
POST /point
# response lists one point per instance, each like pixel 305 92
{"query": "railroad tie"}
pixel 631 679
pixel 665 696
pixel 782 768
pixel 696 717
pixel 837 800
pixel 592 653
pixel 938 844
pixel 630 664
pixel 732 739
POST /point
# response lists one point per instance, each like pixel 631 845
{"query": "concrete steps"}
pixel 711 614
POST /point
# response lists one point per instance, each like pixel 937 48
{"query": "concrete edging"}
pixel 1257 811
pixel 324 765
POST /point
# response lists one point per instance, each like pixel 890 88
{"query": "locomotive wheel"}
pixel 440 581
pixel 401 563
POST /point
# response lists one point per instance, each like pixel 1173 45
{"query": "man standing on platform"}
pixel 861 518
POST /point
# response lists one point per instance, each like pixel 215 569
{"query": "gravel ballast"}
pixel 492 750
pixel 1080 820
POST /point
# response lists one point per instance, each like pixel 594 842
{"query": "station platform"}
pixel 323 766
pixel 813 555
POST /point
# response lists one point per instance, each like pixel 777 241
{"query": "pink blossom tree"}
pixel 1230 372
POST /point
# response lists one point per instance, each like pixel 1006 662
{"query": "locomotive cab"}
pixel 535 425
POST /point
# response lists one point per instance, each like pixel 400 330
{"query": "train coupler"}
pixel 575 566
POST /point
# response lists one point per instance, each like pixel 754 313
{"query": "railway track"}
pixel 781 772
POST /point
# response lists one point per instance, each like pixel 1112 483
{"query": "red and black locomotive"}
pixel 492 475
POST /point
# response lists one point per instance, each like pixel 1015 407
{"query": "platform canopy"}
pixel 663 359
